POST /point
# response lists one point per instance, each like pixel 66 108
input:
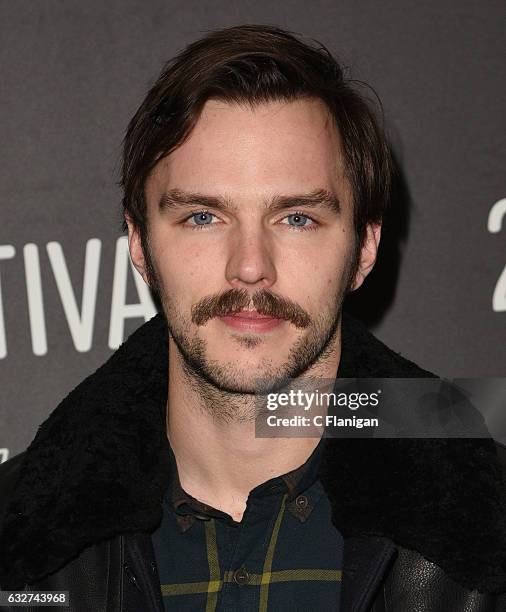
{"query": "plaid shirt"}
pixel 284 554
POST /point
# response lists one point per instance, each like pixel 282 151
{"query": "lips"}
pixel 251 321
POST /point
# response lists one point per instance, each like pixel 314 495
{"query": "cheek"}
pixel 318 280
pixel 187 270
pixel 321 264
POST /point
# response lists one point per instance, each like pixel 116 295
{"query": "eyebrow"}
pixel 177 199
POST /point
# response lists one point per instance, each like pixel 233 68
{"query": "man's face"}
pixel 251 241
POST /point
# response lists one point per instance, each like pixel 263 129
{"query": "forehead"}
pixel 276 147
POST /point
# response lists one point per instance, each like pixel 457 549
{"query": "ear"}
pixel 135 248
pixel 368 254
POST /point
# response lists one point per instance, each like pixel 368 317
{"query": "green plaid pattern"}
pixel 284 554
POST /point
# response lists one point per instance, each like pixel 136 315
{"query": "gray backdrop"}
pixel 72 75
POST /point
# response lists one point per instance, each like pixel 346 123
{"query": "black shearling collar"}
pixel 99 466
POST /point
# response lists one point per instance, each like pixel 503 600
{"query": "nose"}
pixel 250 262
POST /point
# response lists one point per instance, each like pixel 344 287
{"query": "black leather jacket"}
pixel 423 521
pixel 120 575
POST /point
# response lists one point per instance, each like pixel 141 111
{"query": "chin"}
pixel 240 376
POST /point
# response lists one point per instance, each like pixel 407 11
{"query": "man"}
pixel 255 183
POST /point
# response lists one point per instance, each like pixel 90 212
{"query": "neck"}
pixel 220 460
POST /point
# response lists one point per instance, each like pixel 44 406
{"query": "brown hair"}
pixel 255 64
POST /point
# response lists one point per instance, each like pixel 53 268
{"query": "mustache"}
pixel 264 301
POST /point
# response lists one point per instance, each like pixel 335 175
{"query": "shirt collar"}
pixel 294 483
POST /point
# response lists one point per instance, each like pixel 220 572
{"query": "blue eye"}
pixel 202 218
pixel 299 220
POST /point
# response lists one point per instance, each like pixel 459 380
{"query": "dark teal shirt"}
pixel 284 554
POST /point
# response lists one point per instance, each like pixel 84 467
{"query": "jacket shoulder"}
pixel 9 474
pixel 414 582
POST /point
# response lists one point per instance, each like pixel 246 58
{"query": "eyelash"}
pixel 292 227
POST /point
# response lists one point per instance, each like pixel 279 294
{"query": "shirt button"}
pixel 301 501
pixel 241 576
